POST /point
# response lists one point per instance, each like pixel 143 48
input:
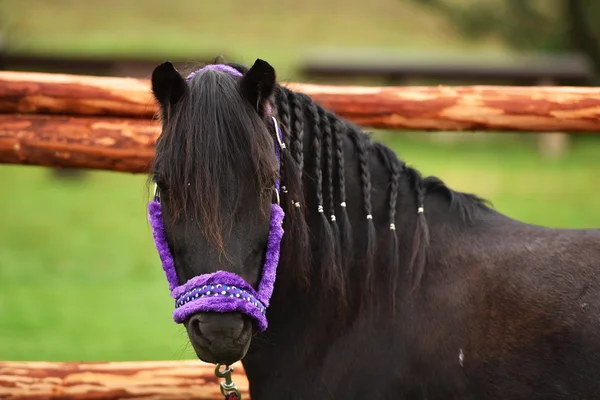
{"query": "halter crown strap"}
pixel 223 291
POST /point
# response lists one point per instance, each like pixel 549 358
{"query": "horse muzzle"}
pixel 219 338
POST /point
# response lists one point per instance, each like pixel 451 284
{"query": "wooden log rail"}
pixel 78 121
pixel 155 380
pixel 115 144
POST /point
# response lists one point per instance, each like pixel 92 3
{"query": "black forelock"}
pixel 213 150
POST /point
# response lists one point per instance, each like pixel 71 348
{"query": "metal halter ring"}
pixel 281 144
pixel 228 386
pixel 155 191
pixel 277 194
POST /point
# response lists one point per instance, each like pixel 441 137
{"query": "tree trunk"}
pixel 580 33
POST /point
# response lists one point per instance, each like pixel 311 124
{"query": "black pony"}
pixel 389 284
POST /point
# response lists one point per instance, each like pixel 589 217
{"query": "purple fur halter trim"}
pixel 222 291
pixel 218 67
pixel 208 293
pixel 160 240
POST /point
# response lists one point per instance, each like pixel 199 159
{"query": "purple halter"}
pixel 222 291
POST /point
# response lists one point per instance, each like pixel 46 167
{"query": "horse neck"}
pixel 310 317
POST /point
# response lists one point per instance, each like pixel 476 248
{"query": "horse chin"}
pixel 219 338
pixel 224 356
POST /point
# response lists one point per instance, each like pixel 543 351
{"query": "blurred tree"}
pixel 544 25
pixel 583 28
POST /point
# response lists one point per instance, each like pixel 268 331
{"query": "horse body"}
pixel 518 318
pixel 414 291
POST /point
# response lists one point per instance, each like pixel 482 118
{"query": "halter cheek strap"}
pixel 223 291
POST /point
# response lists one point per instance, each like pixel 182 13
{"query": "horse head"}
pixel 215 214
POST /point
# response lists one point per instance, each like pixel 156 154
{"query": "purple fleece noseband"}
pixel 222 291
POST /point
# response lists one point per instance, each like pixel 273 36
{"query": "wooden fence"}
pixel 109 123
pixel 150 380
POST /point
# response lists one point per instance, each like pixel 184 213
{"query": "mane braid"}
pixel 338 129
pixel 326 125
pixel 394 258
pixel 283 112
pixel 421 235
pixel 330 268
pixel 394 167
pixel 361 142
pixel 293 201
pixel 297 122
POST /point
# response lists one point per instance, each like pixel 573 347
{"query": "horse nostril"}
pixel 194 326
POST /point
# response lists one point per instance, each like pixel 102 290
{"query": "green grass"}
pixel 79 276
pixel 509 171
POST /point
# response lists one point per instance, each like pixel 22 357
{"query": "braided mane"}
pixel 322 164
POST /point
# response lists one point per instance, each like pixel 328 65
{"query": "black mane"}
pixel 213 127
pixel 213 124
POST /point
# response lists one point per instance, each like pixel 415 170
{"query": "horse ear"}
pixel 258 84
pixel 167 84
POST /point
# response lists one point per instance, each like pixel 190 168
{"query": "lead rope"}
pixel 228 388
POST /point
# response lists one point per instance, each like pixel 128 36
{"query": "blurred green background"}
pixel 79 276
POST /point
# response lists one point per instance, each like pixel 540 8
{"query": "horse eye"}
pixel 160 182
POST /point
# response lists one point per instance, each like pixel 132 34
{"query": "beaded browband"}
pixel 223 291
